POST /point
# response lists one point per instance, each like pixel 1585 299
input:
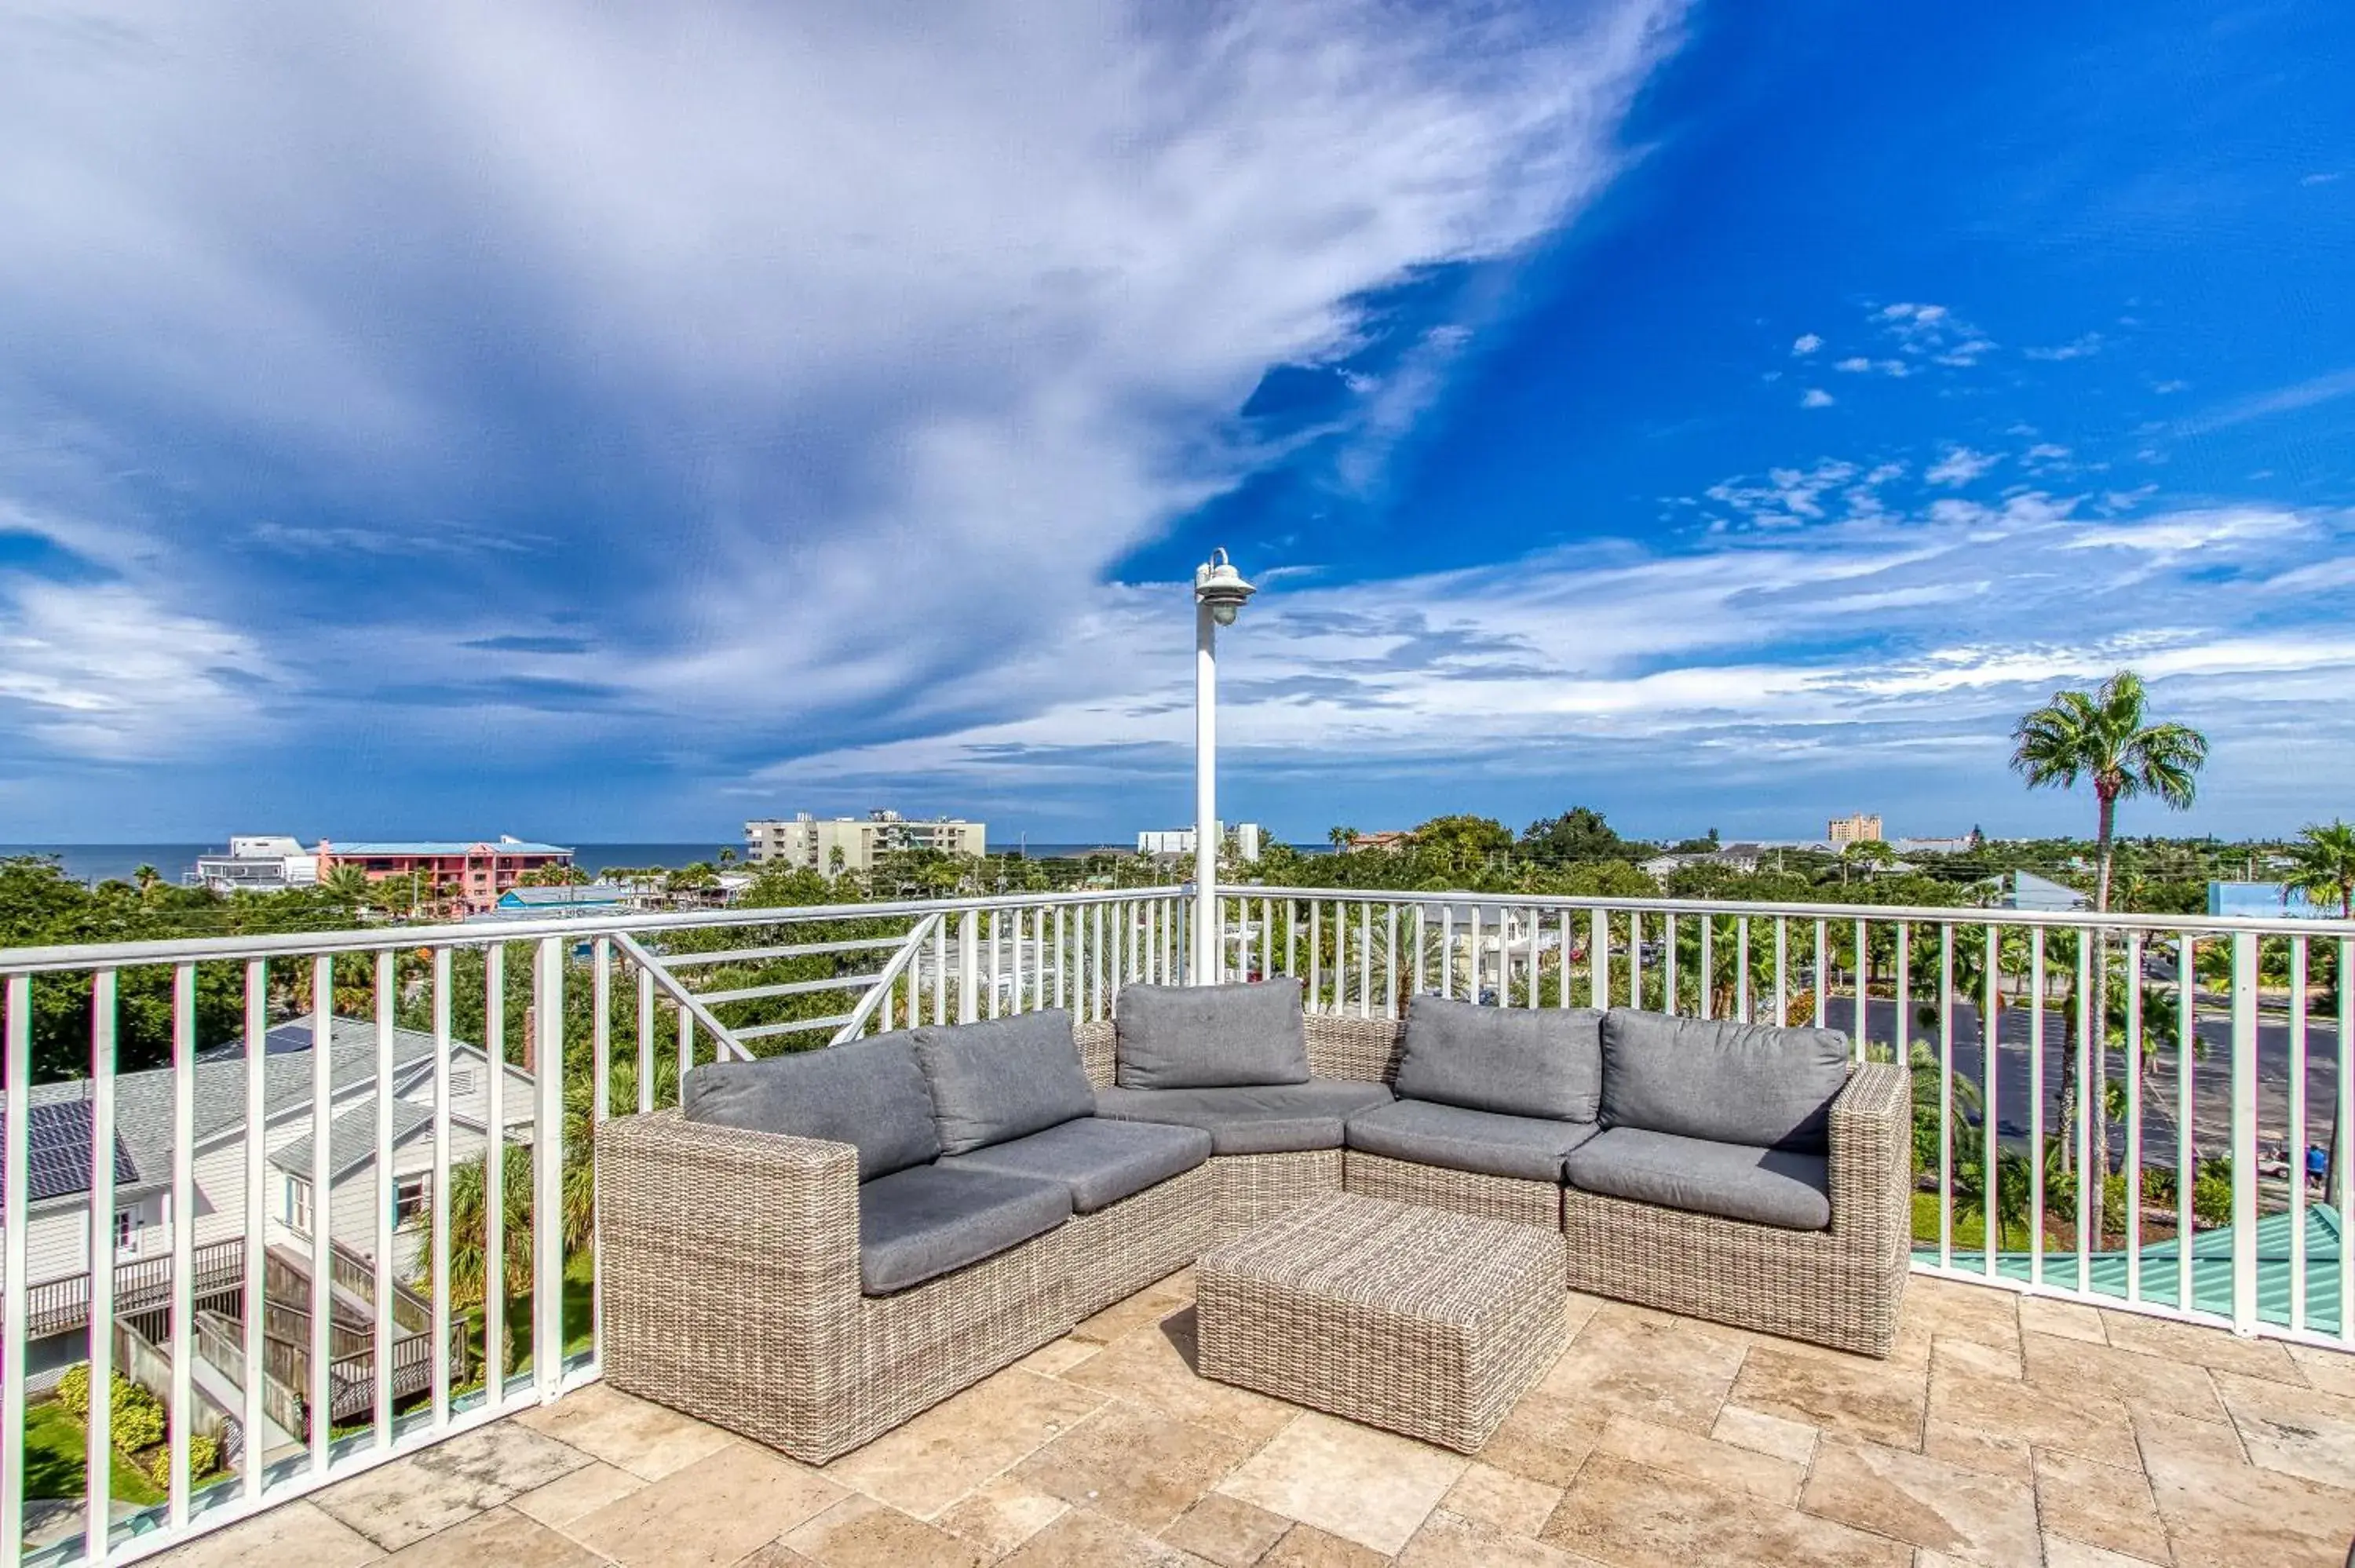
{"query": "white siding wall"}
pixel 221 1192
pixel 57 1245
pixel 57 1242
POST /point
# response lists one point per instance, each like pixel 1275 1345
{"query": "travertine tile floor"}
pixel 2003 1431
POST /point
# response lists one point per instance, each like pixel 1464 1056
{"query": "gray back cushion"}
pixel 868 1093
pixel 1210 1036
pixel 1006 1078
pixel 1542 1062
pixel 1732 1083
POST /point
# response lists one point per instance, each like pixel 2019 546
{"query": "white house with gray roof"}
pixel 58 1236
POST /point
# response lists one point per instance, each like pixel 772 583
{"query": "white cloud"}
pixel 2075 348
pixel 102 671
pixel 1960 466
pixel 1815 398
pixel 1952 622
pixel 1932 334
pixel 2280 400
pixel 903 334
pixel 1807 344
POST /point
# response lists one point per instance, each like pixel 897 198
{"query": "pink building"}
pixel 470 876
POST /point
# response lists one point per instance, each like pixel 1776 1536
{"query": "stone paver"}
pixel 436 1488
pixel 1373 1487
pixel 2005 1429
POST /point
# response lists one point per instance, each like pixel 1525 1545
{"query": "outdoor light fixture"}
pixel 1219 591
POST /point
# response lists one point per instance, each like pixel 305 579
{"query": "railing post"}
pixel 968 967
pixel 547 1171
pixel 2244 1132
pixel 13 1167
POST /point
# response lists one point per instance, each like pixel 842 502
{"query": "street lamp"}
pixel 1219 591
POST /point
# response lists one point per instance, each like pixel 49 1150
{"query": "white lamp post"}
pixel 1219 591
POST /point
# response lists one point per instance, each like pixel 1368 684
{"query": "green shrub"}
pixel 73 1390
pixel 2211 1199
pixel 135 1416
pixel 204 1459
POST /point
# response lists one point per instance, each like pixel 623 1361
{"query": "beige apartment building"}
pixel 1855 829
pixel 833 844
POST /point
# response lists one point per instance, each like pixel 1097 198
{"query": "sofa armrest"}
pixel 1872 1154
pixel 695 1218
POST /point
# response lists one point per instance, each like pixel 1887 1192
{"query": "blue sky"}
pixel 614 427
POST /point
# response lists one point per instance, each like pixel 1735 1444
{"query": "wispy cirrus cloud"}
pixel 1729 657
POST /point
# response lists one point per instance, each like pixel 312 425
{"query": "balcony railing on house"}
pixel 2117 1109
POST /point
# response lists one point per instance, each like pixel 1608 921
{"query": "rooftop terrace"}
pixel 2090 1404
pixel 2006 1429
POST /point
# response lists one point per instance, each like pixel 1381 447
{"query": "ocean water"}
pixel 96 863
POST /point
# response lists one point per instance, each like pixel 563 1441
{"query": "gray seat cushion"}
pixel 1727 1082
pixel 1002 1079
pixel 921 1223
pixel 1456 1138
pixel 1100 1161
pixel 1540 1062
pixel 868 1093
pixel 1267 1118
pixel 1736 1182
pixel 1210 1036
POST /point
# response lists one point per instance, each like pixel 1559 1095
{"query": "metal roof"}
pixel 351 1139
pixel 604 894
pixel 442 847
pixel 143 1100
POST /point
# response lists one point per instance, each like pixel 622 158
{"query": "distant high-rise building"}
pixel 1859 827
pixel 1243 839
pixel 833 844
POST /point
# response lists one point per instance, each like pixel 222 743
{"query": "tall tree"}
pixel 1578 834
pixel 2324 864
pixel 2106 737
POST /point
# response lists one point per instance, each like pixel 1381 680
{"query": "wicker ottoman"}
pixel 1424 1321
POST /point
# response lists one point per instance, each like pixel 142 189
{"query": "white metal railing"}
pixel 2194 1060
pixel 180 1054
pixel 2207 1035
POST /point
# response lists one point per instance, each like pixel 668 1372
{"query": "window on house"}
pixel 297 1210
pixel 411 1194
pixel 126 1229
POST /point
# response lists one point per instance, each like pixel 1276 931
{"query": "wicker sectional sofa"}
pixel 817 1247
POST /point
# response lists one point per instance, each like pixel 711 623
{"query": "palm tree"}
pixel 2324 864
pixel 1342 838
pixel 2104 736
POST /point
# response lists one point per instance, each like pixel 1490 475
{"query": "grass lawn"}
pixel 55 1448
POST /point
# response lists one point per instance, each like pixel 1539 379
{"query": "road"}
pixel 2008 1097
